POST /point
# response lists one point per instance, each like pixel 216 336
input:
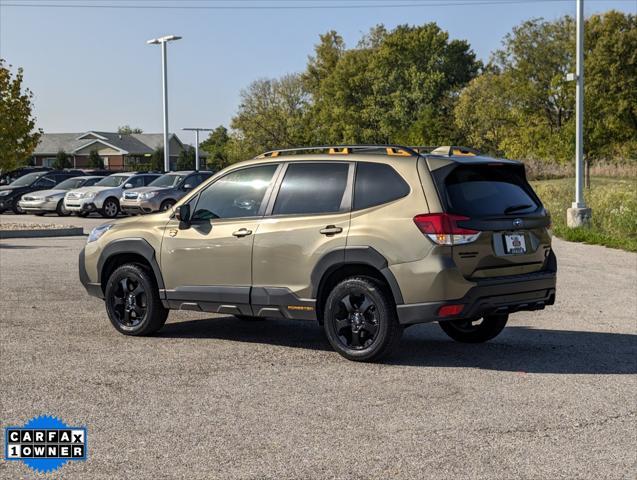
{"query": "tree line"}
pixel 413 85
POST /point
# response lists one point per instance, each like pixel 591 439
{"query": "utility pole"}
pixel 164 75
pixel 197 130
pixel 578 215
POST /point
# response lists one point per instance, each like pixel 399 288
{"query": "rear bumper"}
pixel 532 291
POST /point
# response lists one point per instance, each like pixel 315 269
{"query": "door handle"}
pixel 242 232
pixel 330 230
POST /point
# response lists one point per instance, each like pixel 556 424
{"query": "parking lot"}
pixel 216 397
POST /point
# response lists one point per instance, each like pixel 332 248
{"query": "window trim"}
pixel 346 202
pixel 264 201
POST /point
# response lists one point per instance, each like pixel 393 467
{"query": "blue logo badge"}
pixel 45 443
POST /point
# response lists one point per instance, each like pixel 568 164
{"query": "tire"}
pixel 17 209
pixel 61 209
pixel 110 208
pixel 249 318
pixel 83 214
pixel 143 316
pixel 166 205
pixel 467 331
pixel 360 320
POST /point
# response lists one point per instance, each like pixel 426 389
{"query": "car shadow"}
pixel 9 246
pixel 517 349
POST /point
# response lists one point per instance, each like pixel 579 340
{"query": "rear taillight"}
pixel 442 228
pixel 450 310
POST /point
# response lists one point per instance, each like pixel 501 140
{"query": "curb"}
pixel 60 232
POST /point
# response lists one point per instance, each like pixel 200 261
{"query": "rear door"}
pixel 497 200
pixel 308 217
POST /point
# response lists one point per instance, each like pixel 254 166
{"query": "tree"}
pixel 18 135
pixel 62 161
pixel 186 159
pixel 216 146
pixel 128 130
pixel 157 160
pixel 273 114
pixel 94 160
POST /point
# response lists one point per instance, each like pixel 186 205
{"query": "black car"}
pixel 12 175
pixel 31 182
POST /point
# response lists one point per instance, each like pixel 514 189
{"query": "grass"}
pixel 614 204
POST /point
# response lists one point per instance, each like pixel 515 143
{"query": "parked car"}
pixel 50 201
pixel 31 182
pixel 365 240
pixel 12 175
pixel 162 193
pixel 103 197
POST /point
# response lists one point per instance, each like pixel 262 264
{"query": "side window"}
pixel 194 180
pixel 149 178
pixel 238 194
pixel 44 182
pixel 137 181
pixel 377 183
pixel 309 188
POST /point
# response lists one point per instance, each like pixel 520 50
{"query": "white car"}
pixel 52 201
pixel 103 197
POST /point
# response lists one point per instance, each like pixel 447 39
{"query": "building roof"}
pixel 133 144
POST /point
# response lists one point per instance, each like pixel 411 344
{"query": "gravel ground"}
pixel 214 397
pixel 7 226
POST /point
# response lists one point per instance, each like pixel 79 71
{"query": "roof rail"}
pixel 455 151
pixel 393 150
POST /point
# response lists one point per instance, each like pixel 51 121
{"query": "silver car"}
pixel 52 201
pixel 103 197
pixel 162 193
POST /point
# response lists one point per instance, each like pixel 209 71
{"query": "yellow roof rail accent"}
pixel 275 153
pixel 397 152
pixel 463 153
pixel 339 151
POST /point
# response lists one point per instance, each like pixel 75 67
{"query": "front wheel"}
pixel 61 209
pixel 475 331
pixel 110 208
pixel 83 214
pixel 360 320
pixel 17 209
pixel 132 301
pixel 166 205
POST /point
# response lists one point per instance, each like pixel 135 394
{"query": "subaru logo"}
pixel 517 223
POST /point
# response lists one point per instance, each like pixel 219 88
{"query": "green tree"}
pixel 94 160
pixel 157 160
pixel 216 146
pixel 128 130
pixel 62 161
pixel 273 114
pixel 18 135
pixel 186 159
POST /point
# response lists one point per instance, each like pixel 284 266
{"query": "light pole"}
pixel 164 75
pixel 578 215
pixel 197 130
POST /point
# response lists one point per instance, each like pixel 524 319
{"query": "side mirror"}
pixel 188 187
pixel 183 214
pixel 128 185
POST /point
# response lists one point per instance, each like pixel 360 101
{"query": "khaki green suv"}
pixel 365 240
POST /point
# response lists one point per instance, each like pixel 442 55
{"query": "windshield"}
pixel 168 180
pixel 26 180
pixel 483 190
pixel 112 181
pixel 70 184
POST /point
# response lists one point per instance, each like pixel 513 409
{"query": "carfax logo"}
pixel 45 443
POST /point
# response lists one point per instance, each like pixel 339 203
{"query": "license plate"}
pixel 515 244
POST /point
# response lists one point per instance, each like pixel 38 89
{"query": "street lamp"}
pixel 163 41
pixel 197 130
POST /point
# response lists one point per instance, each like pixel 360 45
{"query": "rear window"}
pixel 377 183
pixel 483 190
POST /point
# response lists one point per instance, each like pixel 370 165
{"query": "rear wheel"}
pixel 61 209
pixel 110 208
pixel 475 331
pixel 132 301
pixel 360 320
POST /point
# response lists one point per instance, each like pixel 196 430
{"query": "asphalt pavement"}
pixel 554 396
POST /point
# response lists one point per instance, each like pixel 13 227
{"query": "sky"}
pixel 90 68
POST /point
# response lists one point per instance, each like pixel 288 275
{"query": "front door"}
pixel 308 219
pixel 208 265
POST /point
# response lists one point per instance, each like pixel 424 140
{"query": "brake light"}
pixel 450 310
pixel 442 228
